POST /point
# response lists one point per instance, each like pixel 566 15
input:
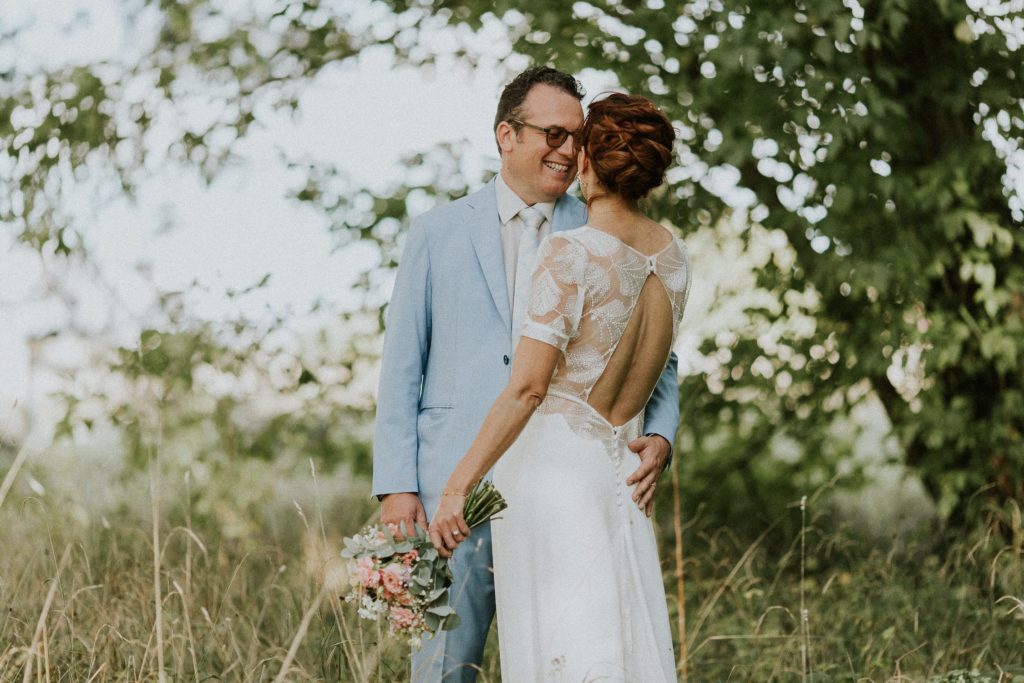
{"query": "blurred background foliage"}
pixel 860 156
pixel 850 184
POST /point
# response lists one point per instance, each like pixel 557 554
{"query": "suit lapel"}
pixel 485 232
pixel 569 213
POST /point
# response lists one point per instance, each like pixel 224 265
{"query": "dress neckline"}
pixel 672 240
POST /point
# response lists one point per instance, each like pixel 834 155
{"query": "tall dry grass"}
pixel 177 581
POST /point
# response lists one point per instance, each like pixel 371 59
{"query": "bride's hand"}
pixel 447 527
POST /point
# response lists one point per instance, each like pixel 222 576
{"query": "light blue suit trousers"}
pixel 447 353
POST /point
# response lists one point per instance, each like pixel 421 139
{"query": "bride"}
pixel 578 583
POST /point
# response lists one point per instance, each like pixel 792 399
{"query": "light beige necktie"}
pixel 526 259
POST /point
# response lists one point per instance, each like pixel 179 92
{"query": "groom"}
pixel 460 291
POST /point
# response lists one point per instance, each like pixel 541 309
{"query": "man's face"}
pixel 535 171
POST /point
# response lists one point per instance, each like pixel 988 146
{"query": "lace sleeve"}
pixel 556 292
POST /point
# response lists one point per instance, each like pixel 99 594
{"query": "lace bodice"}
pixel 585 288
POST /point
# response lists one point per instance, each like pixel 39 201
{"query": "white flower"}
pixel 372 607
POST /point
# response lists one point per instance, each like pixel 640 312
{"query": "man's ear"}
pixel 504 134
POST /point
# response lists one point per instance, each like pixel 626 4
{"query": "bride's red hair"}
pixel 629 143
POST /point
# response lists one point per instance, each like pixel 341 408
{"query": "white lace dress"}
pixel 578 582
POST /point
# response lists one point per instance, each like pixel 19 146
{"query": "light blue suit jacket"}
pixel 448 343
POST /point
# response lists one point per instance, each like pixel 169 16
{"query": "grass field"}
pixel 229 573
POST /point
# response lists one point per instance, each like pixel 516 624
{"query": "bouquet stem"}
pixel 482 503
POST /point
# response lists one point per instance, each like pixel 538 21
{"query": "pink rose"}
pixel 409 559
pixel 368 576
pixel 403 617
pixel 395 577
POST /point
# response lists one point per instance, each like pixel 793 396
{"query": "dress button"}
pixel 505 359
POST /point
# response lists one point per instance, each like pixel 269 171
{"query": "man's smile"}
pixel 557 167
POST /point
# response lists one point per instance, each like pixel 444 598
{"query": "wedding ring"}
pixel 456 533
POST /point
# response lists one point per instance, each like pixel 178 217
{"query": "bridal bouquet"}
pixel 400 577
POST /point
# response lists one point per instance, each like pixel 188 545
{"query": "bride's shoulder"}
pixel 565 238
pixel 584 241
pixel 566 246
pixel 674 238
pixel 586 235
pixel 681 245
pixel 679 240
pixel 572 233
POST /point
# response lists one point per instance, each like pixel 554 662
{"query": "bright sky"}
pixel 230 234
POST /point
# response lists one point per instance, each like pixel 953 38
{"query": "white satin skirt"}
pixel 578 584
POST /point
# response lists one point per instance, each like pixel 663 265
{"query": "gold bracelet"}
pixel 453 493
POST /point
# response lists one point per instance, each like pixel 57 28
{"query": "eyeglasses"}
pixel 555 135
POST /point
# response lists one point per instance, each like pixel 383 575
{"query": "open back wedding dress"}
pixel 578 583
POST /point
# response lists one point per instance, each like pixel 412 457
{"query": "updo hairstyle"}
pixel 629 143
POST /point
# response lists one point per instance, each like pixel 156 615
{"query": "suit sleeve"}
pixel 406 343
pixel 662 415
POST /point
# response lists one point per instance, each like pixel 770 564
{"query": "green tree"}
pixel 874 139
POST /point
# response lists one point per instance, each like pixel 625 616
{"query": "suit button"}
pixel 505 359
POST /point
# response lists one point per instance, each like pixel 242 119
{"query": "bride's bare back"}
pixel 614 310
pixel 639 359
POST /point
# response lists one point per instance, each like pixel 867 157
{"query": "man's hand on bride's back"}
pixel 653 451
pixel 398 508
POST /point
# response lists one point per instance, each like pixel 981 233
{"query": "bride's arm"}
pixel 532 367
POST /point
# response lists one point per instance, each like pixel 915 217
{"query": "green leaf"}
pixel 441 610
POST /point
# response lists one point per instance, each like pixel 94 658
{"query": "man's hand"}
pixel 653 451
pixel 397 508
